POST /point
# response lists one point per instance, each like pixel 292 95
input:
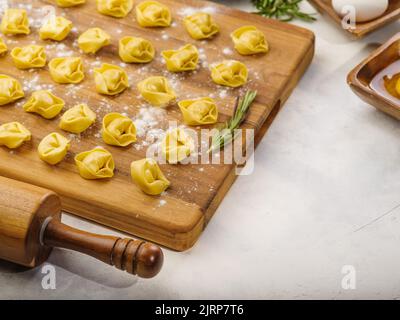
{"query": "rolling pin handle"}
pixel 134 256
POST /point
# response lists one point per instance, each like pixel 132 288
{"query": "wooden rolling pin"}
pixel 30 226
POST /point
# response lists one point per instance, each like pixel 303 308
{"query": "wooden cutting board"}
pixel 177 218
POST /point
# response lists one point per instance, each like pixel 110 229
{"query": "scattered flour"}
pixel 33 84
pixel 203 58
pixel 59 50
pixel 227 51
pixel 147 119
pixel 3 6
pixel 162 203
pixel 223 93
pixel 187 11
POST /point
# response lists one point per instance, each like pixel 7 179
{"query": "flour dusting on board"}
pixel 3 6
pixel 150 125
pixel 148 118
pixel 188 11
pixel 227 51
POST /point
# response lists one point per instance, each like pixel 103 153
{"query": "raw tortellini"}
pixel 13 135
pixel 153 14
pixel 44 103
pixel 183 59
pixel 28 57
pixel 200 26
pixel 69 3
pixel 229 73
pixel 176 145
pixel 3 47
pixel 15 21
pixel 118 130
pixel 156 90
pixel 249 40
pixel 77 119
pixel 10 90
pixel 110 79
pixel 148 176
pixel 136 50
pixel 97 163
pixel 67 70
pixel 93 39
pixel 115 8
pixel 199 111
pixel 55 28
pixel 53 148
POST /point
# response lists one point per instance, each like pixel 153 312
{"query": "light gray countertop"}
pixel 324 194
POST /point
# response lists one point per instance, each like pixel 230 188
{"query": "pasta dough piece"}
pixel 115 8
pixel 3 47
pixel 55 28
pixel 153 14
pixel 183 59
pixel 93 39
pixel 118 130
pixel 199 111
pixel 230 73
pixel 249 40
pixel 44 103
pixel 10 90
pixel 392 84
pixel 13 135
pixel 77 119
pixel 200 26
pixel 28 57
pixel 148 176
pixel 110 79
pixel 15 21
pixel 97 163
pixel 156 90
pixel 53 148
pixel 69 3
pixel 176 145
pixel 136 50
pixel 67 70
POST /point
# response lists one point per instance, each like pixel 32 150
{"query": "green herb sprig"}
pixel 227 133
pixel 284 10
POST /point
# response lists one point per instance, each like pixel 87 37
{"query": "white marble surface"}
pixel 325 193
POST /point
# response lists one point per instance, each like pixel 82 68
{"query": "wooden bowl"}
pixel 360 78
pixel 361 29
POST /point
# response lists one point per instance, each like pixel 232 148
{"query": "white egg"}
pixel 365 10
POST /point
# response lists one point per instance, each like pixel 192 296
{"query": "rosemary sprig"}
pixel 284 10
pixel 226 134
